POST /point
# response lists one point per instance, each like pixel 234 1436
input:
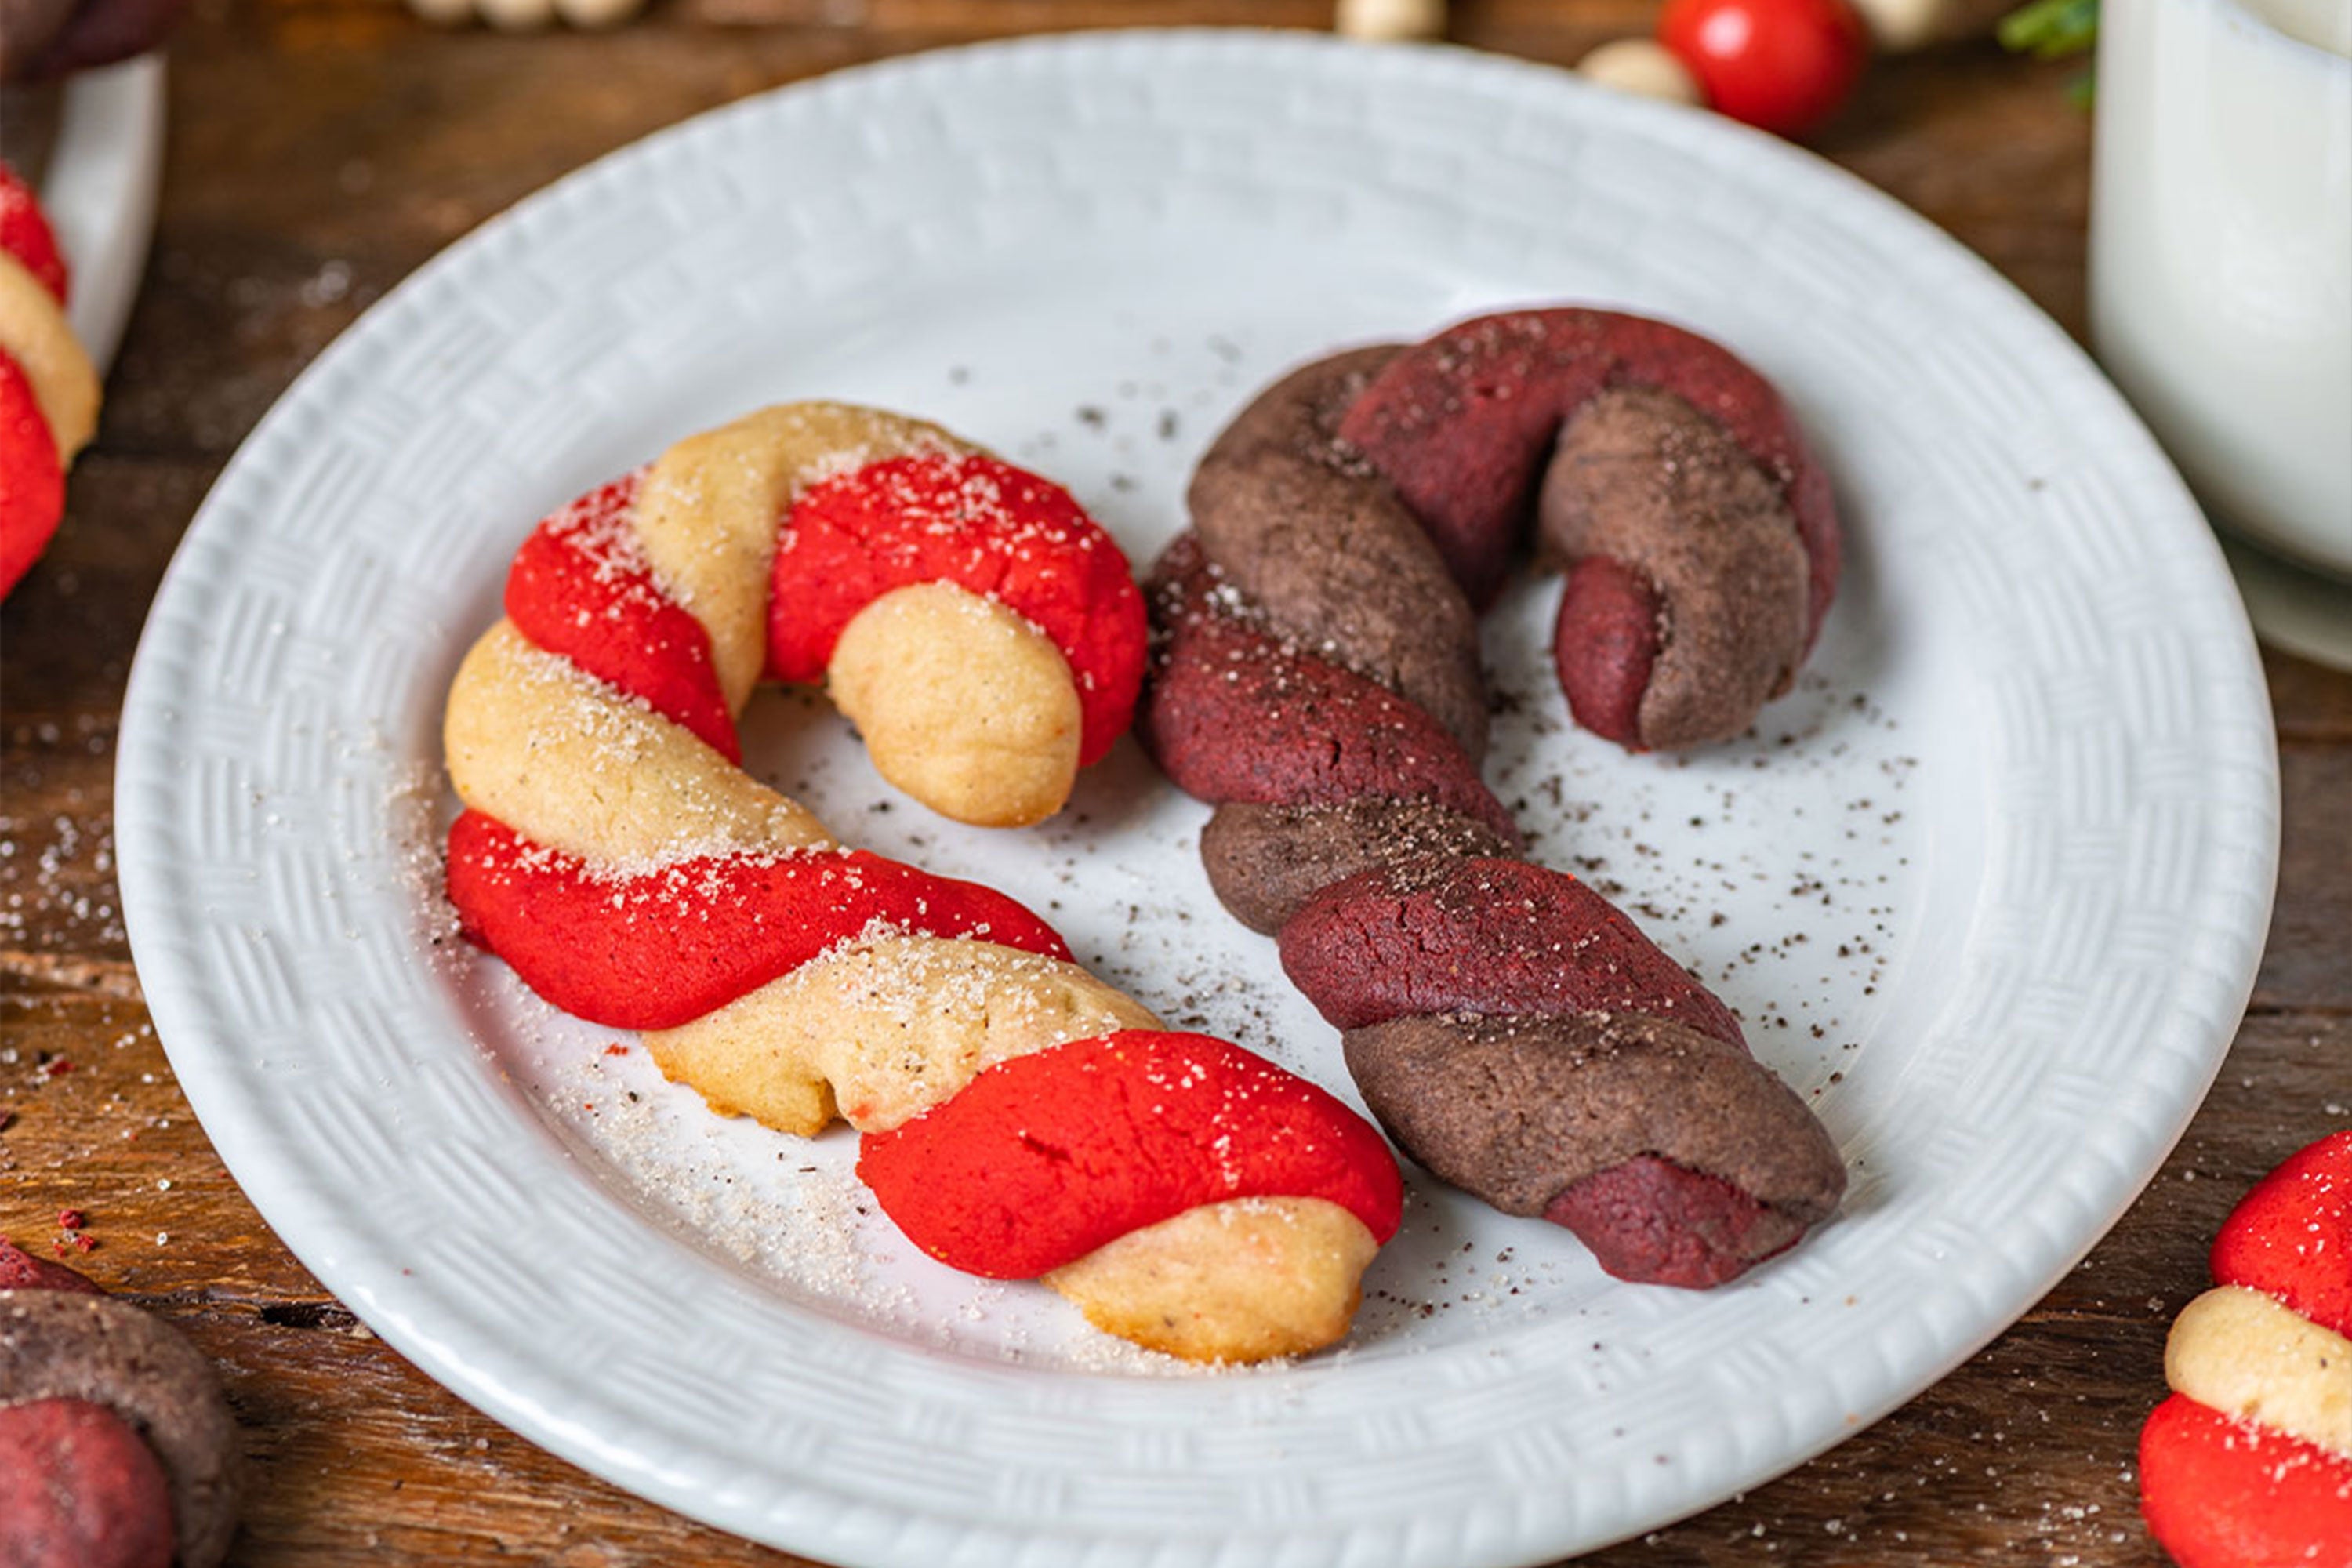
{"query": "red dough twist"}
pixel 1316 679
pixel 2224 1493
pixel 1043 1159
pixel 581 588
pixel 48 390
pixel 983 525
pixel 1030 1142
pixel 652 950
pixel 2291 1236
pixel 24 234
pixel 2249 1464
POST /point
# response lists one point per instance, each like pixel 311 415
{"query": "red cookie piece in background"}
pixel 24 234
pixel 2223 1493
pixel 2291 1236
pixel 985 525
pixel 694 935
pixel 32 481
pixel 79 1489
pixel 1044 1158
pixel 20 1271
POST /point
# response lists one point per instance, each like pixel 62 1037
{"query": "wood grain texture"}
pixel 320 151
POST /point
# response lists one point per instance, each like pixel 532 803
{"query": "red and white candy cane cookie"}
pixel 48 388
pixel 2249 1464
pixel 1023 1119
pixel 1316 679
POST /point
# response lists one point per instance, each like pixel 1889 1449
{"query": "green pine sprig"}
pixel 2051 29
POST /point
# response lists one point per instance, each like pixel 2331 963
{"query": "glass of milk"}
pixel 2222 254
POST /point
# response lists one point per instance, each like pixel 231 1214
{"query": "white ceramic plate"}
pixel 1989 888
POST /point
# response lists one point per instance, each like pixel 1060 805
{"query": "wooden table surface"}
pixel 320 149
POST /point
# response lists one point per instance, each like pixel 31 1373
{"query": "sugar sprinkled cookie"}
pixel 2249 1464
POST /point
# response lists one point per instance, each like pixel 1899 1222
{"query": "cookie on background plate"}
pixel 2249 1464
pixel 41 41
pixel 48 387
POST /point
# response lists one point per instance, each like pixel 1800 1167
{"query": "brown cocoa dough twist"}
pixel 1315 678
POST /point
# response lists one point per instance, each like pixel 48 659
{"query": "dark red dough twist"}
pixel 20 1271
pixel 1484 936
pixel 79 1489
pixel 1316 732
pixel 1462 427
pixel 1314 635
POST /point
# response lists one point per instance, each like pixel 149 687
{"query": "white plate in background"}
pixel 102 167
